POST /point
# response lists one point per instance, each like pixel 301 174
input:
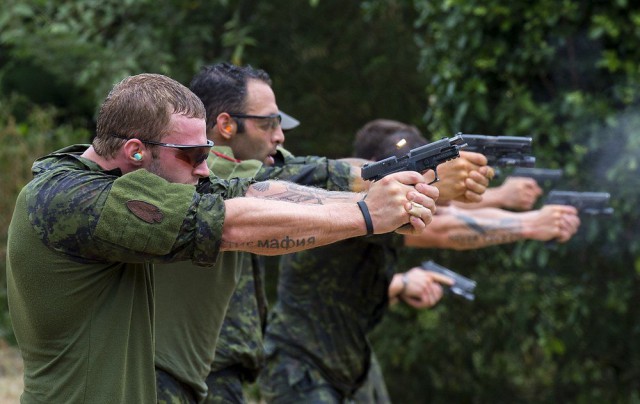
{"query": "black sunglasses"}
pixel 272 120
pixel 193 154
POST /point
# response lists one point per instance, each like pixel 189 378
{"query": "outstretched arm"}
pixel 278 217
pixel 517 193
pixel 463 229
pixel 463 179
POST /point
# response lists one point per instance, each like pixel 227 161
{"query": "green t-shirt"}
pixel 79 273
pixel 191 301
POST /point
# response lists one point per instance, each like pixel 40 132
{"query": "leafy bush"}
pixel 548 325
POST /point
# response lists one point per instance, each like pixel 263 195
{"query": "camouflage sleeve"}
pixel 314 171
pixel 137 217
pixel 200 223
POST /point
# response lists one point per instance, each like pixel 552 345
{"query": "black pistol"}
pixel 462 286
pixel 588 203
pixel 540 175
pixel 501 151
pixel 420 159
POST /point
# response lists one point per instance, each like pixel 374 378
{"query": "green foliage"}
pixel 548 325
pixel 92 44
pixel 337 65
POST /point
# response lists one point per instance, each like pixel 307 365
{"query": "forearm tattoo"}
pixel 282 243
pixel 302 194
pixel 476 234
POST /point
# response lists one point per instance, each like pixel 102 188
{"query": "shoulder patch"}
pixel 145 211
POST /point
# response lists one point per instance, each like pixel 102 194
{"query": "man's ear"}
pixel 135 152
pixel 227 127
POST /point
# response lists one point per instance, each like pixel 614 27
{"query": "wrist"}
pixel 405 283
pixel 528 224
pixel 396 287
pixel 368 222
pixel 494 197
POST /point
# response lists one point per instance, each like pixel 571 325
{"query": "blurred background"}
pixel 547 325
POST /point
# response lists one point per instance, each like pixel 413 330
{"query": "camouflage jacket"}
pixel 328 299
pixel 240 342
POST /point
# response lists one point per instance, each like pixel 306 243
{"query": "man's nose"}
pixel 202 170
pixel 278 135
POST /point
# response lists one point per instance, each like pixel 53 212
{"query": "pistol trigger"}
pixel 435 172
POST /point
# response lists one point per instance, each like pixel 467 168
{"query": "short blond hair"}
pixel 141 106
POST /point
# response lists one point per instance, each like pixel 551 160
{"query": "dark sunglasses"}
pixel 193 154
pixel 272 121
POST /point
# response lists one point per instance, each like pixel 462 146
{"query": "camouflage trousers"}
pixel 374 389
pixel 225 386
pixel 172 391
pixel 287 380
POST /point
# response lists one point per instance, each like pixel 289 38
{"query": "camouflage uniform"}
pixel 193 314
pixel 328 299
pixel 374 389
pixel 172 391
pixel 80 275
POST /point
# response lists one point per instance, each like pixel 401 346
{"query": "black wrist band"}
pixel 367 217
